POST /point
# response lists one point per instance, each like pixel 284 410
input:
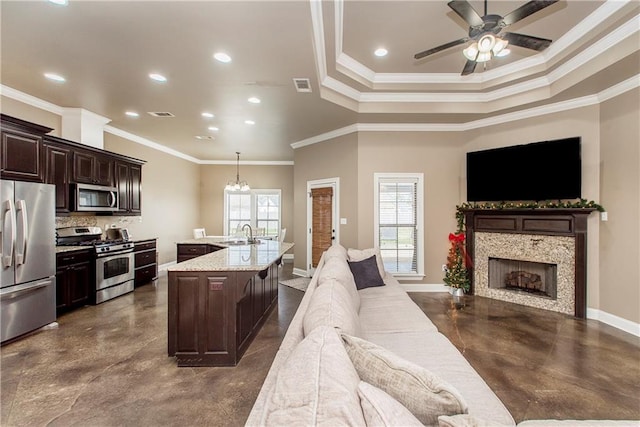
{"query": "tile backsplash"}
pixel 96 221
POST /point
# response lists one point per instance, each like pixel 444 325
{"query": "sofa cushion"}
pixel 464 420
pixel 317 385
pixel 335 250
pixel 579 423
pixel 365 273
pixel 380 409
pixel 331 305
pixel 360 254
pixel 421 392
pixel 337 269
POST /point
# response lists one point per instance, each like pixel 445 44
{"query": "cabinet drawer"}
pixel 145 258
pixel 73 257
pixel 192 249
pixel 145 274
pixel 144 246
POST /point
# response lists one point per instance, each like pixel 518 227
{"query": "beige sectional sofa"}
pixel 342 340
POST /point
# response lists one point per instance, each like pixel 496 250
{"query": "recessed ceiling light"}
pixel 207 115
pixel 213 128
pixel 157 77
pixel 222 57
pixel 381 52
pixel 60 2
pixel 132 114
pixel 254 100
pixel 55 77
pixel 249 122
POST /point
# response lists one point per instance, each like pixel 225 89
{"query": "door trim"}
pixel 321 183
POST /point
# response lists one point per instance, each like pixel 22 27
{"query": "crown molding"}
pixel 248 162
pixel 585 101
pixel 30 100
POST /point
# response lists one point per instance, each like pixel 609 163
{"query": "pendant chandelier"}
pixel 237 185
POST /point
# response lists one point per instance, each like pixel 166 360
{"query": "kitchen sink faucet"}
pixel 251 239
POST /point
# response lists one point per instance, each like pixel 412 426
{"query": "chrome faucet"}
pixel 251 239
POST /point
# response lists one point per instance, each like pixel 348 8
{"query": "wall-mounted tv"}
pixel 548 170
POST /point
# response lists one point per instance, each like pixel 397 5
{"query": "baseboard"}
pixel 615 321
pixel 300 272
pixel 424 287
pixel 163 267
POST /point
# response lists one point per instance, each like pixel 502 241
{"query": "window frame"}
pixel 418 178
pixel 254 193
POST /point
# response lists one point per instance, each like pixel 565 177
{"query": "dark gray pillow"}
pixel 366 273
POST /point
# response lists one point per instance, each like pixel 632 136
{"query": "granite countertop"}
pixel 62 249
pixel 254 257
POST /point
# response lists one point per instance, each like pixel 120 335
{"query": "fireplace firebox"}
pixel 535 278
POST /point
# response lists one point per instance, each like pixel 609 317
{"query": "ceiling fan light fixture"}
pixel 483 56
pixel 486 43
pixel 503 53
pixel 471 52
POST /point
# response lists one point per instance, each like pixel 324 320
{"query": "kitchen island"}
pixel 218 301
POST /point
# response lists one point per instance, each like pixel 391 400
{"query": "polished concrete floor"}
pixel 107 365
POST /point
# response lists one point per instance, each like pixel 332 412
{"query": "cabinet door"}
pixel 22 156
pixel 57 173
pixel 103 173
pixel 135 189
pixel 80 275
pixel 83 165
pixel 123 183
pixel 62 290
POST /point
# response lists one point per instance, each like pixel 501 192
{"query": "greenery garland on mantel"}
pixel 549 204
pixel 456 274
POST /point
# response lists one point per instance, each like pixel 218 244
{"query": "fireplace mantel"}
pixel 552 222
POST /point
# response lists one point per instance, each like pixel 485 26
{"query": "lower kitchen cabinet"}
pixel 75 280
pixel 146 264
pixel 187 251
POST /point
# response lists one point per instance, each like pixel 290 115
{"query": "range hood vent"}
pixel 302 84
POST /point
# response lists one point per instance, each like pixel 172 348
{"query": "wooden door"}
pixel 321 222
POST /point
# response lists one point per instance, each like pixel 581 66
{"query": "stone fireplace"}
pixel 533 257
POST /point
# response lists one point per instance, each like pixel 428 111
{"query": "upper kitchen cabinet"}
pixel 92 168
pixel 57 165
pixel 22 152
pixel 129 183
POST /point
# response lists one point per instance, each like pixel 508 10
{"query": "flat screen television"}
pixel 548 170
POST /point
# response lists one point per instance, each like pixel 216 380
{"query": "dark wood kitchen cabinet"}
pixel 129 184
pixel 57 164
pixel 92 168
pixel 22 150
pixel 146 261
pixel 75 280
pixel 187 251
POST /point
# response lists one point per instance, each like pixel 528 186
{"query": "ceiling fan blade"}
pixel 469 67
pixel 530 42
pixel 466 12
pixel 526 10
pixel 441 47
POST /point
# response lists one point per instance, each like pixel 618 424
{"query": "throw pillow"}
pixel 424 394
pixel 331 305
pixel 365 273
pixel 316 385
pixel 360 254
pixel 380 409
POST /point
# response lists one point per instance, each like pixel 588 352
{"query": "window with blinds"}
pixel 398 222
pixel 259 208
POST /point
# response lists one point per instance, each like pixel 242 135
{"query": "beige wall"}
pixel 620 195
pixel 435 154
pixel 26 112
pixel 331 159
pixel 170 196
pixel 213 179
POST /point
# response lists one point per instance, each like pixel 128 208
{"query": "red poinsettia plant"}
pixel 456 274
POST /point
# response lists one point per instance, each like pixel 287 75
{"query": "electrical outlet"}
pixel 604 216
pixel 444 267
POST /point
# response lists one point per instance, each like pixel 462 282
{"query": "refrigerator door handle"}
pixel 7 206
pixel 21 206
pixel 12 292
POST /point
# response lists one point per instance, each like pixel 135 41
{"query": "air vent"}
pixel 160 114
pixel 302 85
pixel 206 137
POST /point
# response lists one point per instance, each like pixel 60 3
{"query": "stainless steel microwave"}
pixel 94 198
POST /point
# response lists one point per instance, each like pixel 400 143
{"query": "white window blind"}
pixel 398 222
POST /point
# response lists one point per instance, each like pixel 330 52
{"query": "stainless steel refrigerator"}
pixel 28 259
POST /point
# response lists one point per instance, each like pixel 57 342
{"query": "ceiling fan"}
pixel 484 32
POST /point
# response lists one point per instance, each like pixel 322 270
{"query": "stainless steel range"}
pixel 114 260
